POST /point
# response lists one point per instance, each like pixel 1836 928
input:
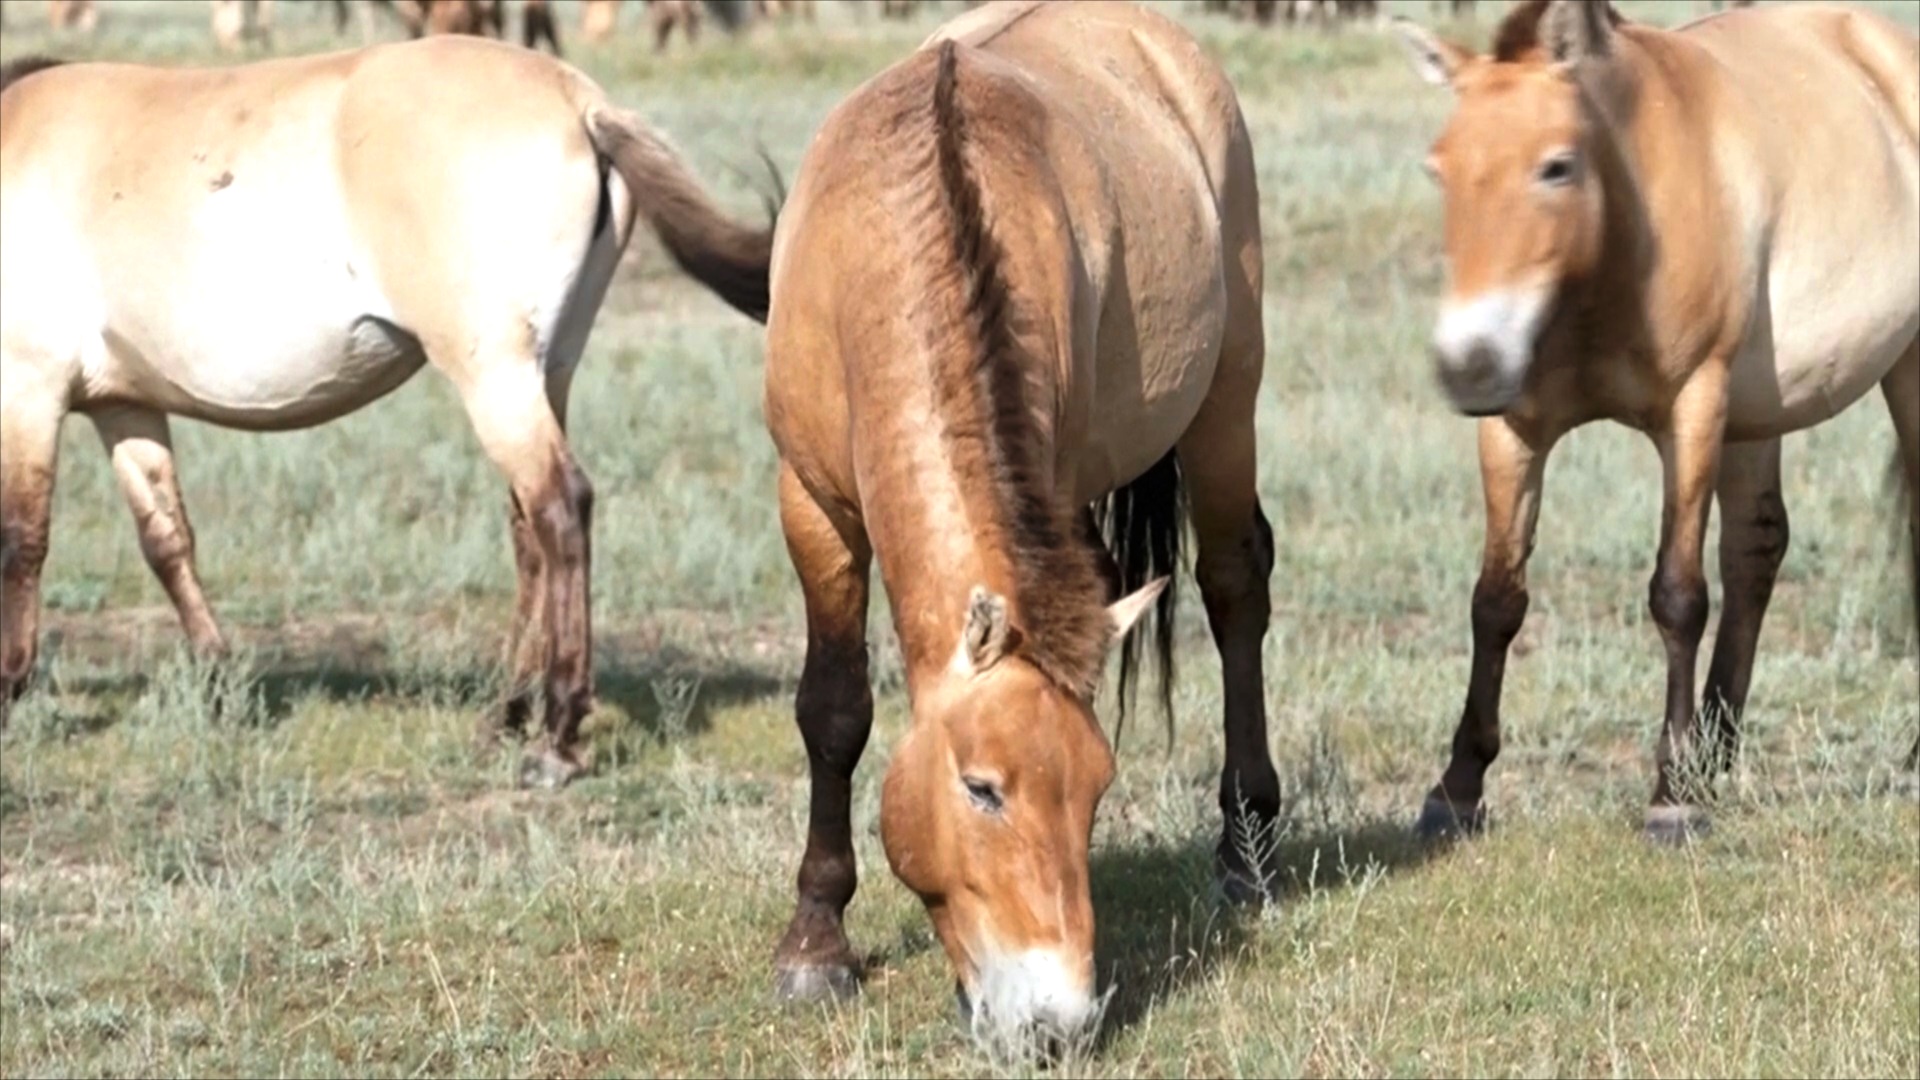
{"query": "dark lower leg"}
pixel 23 551
pixel 1233 570
pixel 1499 610
pixel 1690 457
pixel 1753 542
pixel 525 640
pixel 1678 601
pixel 26 505
pixel 1512 465
pixel 834 709
pixel 563 523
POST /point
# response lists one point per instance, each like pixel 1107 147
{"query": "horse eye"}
pixel 985 795
pixel 1557 171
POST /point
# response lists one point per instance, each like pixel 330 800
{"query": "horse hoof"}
pixel 1676 826
pixel 548 770
pixel 806 983
pixel 1442 820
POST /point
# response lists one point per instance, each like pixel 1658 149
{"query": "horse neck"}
pixel 1645 122
pixel 930 517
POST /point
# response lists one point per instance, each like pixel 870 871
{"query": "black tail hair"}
pixel 1142 524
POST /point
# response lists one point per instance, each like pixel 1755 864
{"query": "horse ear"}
pixel 1436 59
pixel 988 636
pixel 1576 30
pixel 1126 611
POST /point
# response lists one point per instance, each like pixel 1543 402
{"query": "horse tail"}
pixel 731 259
pixel 1142 524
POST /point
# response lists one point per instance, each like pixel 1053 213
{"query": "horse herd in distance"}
pixel 1031 390
pixel 236 23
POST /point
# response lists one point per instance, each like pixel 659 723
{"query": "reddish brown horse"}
pixel 1018 282
pixel 1709 234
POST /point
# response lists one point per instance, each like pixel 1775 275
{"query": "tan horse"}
pixel 1018 281
pixel 164 249
pixel 599 19
pixel 236 22
pixel 79 15
pixel 664 15
pixel 1709 234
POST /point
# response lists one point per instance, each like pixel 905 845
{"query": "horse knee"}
pixel 1238 571
pixel 1499 609
pixel 834 705
pixel 1678 603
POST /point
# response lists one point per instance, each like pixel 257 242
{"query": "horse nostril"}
pixel 1480 363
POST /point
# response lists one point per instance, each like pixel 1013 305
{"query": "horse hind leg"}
pixel 139 443
pixel 526 642
pixel 30 415
pixel 507 403
pixel 1901 388
pixel 1753 541
pixel 1233 563
pixel 834 707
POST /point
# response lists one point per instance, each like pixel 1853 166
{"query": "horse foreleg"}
pixel 834 707
pixel 510 413
pixel 30 416
pixel 1753 541
pixel 1513 462
pixel 1690 450
pixel 139 442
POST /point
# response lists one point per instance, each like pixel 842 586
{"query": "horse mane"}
pixel 981 384
pixel 19 68
pixel 1519 33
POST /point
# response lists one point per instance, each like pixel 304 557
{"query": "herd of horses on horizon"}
pixel 1014 341
pixel 237 23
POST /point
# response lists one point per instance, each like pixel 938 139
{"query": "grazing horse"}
pixel 166 250
pixel 236 22
pixel 1709 234
pixel 1016 304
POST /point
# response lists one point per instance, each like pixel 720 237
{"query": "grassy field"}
pixel 322 881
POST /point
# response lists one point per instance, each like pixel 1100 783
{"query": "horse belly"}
pixel 266 344
pixel 1829 339
pixel 1135 423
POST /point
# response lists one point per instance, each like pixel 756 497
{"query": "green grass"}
pixel 302 870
